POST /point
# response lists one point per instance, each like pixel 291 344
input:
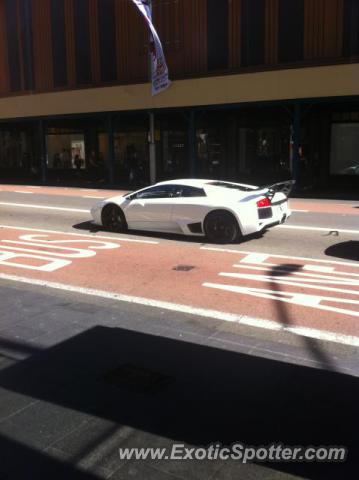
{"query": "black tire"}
pixel 113 218
pixel 221 226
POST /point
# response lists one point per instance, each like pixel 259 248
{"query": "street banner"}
pixel 159 70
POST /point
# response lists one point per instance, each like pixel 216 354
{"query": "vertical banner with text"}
pixel 159 70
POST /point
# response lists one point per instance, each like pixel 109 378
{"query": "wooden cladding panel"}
pixel 42 45
pixel 70 42
pixel 195 36
pixel 4 68
pixel 323 28
pixel 20 44
pixel 168 19
pixel 94 41
pixel 132 43
pixel 235 33
pixel 271 32
pixel 333 33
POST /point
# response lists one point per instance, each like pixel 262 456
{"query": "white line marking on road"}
pixel 299 211
pixel 22 191
pixel 304 300
pixel 306 259
pixel 88 190
pixel 117 239
pixel 44 207
pixel 217 315
pixel 318 229
pixel 255 258
pixel 296 282
pixel 91 196
pixel 318 268
pixel 279 268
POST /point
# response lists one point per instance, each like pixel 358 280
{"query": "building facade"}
pixel 263 90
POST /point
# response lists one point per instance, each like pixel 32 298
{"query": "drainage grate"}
pixel 137 379
pixel 183 268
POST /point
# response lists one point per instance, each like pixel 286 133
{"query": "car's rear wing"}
pixel 284 187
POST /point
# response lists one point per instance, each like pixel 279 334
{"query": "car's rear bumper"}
pixel 280 214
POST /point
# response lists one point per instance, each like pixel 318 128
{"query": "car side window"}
pixel 188 191
pixel 160 191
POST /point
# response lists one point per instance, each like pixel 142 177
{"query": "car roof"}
pixel 190 182
pixel 206 183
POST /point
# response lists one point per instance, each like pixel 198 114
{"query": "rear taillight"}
pixel 263 203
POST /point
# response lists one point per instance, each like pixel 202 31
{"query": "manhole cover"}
pixel 137 379
pixel 183 268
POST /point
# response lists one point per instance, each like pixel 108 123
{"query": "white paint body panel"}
pixel 175 214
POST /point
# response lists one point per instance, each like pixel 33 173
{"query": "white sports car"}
pixel 221 211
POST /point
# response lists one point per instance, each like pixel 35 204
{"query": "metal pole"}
pixel 152 141
pixel 111 145
pixel 43 151
pixel 192 143
pixel 152 147
pixel 296 142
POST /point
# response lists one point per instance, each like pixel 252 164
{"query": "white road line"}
pixel 319 229
pixel 44 207
pixel 306 259
pixel 301 211
pixel 268 267
pixel 296 299
pixel 203 312
pixel 22 191
pixel 294 282
pixel 91 196
pixel 117 239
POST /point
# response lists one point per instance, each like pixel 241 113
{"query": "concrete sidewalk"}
pixel 81 378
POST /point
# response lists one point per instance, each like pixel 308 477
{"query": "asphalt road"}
pixel 258 341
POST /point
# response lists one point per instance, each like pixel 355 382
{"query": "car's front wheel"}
pixel 220 226
pixel 113 218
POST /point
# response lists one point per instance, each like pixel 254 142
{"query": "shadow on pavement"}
pixel 31 464
pixel 287 272
pixel 346 250
pixel 89 227
pixel 178 391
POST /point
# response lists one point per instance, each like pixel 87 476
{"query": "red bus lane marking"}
pixel 328 286
pixel 147 275
pixel 44 253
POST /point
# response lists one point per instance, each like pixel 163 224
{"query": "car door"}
pixel 150 209
pixel 190 205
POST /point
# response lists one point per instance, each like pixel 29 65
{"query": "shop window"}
pixel 344 149
pixel 65 151
pixel 17 155
pixel 131 157
pixel 210 152
pixel 174 153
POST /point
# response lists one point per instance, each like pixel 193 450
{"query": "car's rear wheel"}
pixel 220 226
pixel 113 218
